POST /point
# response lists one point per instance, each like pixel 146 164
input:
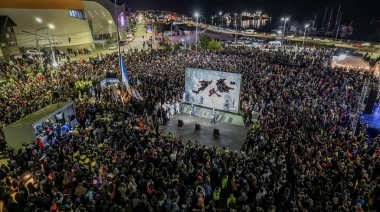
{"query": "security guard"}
pixel 216 194
pixel 225 182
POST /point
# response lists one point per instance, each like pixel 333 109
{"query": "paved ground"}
pixel 231 136
pixel 137 43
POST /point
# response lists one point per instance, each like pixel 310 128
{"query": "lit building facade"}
pixel 67 23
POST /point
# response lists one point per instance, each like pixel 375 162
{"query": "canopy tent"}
pixel 351 62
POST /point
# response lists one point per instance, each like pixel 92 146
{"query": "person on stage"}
pixel 213 116
pixel 192 111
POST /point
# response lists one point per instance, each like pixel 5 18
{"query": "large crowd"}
pixel 301 155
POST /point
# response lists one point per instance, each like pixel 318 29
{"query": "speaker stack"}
pixel 197 127
pixel 180 123
pixel 216 133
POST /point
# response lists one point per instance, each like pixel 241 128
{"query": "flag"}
pixel 124 74
pixel 125 80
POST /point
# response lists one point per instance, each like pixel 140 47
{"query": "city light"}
pixel 196 15
pixel 51 26
pixel 39 20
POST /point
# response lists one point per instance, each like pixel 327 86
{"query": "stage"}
pixel 231 136
pixel 372 123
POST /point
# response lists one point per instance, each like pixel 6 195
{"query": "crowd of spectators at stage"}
pixel 300 156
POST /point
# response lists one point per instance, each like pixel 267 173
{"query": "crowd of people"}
pixel 302 154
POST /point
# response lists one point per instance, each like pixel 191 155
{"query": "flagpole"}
pixel 117 34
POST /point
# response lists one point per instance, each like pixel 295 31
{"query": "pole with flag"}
pixel 125 80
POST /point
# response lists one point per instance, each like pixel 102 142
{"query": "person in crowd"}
pixel 301 156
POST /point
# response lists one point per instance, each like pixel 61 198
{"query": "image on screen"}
pixel 211 89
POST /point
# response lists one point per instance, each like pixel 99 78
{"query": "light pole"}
pixel 171 32
pixel 55 64
pixel 304 35
pixel 38 47
pixel 220 14
pixel 336 36
pixel 196 32
pixel 283 29
pixel 235 31
pixel 235 27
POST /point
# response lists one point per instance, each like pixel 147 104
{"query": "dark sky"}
pixel 300 10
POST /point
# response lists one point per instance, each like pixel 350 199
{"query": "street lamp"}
pixel 220 14
pixel 235 27
pixel 196 32
pixel 171 31
pixel 54 63
pixel 336 36
pixel 283 29
pixel 304 35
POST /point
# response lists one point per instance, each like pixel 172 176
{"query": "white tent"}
pixel 352 62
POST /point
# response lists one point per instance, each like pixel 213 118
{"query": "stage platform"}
pixel 231 136
pixel 221 116
pixel 372 120
pixel 373 124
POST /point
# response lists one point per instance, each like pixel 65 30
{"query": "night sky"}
pixel 301 10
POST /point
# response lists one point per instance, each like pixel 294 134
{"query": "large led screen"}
pixel 211 89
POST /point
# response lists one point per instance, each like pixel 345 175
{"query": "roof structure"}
pixel 38 115
pixel 353 61
pixel 4 19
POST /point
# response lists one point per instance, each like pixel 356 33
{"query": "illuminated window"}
pixel 78 14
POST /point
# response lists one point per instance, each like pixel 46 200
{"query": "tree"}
pixel 203 41
pixel 167 48
pixel 193 47
pixel 177 47
pixel 214 45
pixel 159 28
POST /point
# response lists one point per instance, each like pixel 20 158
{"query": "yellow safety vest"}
pixel 216 195
pixel 231 200
pixel 224 182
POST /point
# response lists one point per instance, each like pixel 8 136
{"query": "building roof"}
pixel 4 19
pixel 38 115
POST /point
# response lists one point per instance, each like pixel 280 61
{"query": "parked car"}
pixel 357 45
pixel 249 31
pixel 124 42
pixel 33 52
pixel 113 47
pixel 366 45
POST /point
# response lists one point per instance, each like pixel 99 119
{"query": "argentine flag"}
pixel 125 80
